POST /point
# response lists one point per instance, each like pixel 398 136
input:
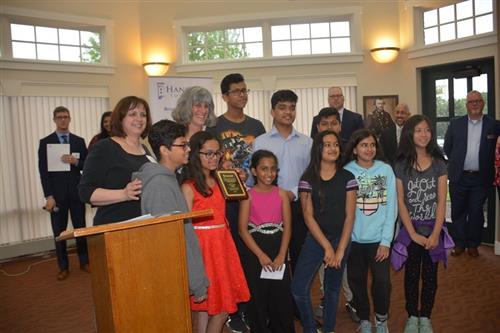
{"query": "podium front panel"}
pixel 139 279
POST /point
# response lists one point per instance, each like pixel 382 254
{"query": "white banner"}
pixel 164 92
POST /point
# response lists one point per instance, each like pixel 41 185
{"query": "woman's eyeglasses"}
pixel 211 154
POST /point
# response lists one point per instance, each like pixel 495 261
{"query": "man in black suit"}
pixel 389 139
pixel 351 121
pixel 60 189
pixel 469 144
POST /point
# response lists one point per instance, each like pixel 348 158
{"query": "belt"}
pixel 470 172
pixel 265 228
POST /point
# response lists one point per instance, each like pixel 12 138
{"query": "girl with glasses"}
pixel 228 286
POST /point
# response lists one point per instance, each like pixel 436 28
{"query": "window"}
pixel 311 38
pixel 56 44
pixel 225 44
pixel 460 20
pixel 49 41
pixel 308 36
pixel 286 40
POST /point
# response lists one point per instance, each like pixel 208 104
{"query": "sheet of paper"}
pixel 54 153
pixel 276 275
pixel 138 218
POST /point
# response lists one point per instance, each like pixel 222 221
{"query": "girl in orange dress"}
pixel 222 263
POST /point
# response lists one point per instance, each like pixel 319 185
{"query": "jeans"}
pixel 310 259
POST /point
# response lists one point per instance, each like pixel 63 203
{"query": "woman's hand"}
pixel 266 262
pixel 337 260
pixel 329 256
pixel 432 242
pixel 382 253
pixel 419 239
pixel 133 190
pixel 278 262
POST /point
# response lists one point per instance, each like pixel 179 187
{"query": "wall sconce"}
pixel 384 54
pixel 156 68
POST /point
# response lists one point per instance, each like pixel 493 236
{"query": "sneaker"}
pixel 365 326
pixel 381 326
pixel 411 325
pixel 425 325
pixel 349 306
pixel 236 324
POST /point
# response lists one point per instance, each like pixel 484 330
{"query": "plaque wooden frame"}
pixel 231 186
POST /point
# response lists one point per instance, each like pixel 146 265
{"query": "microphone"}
pixel 54 210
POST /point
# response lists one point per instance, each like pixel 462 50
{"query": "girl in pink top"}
pixel 265 228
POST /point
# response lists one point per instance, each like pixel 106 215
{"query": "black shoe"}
pixel 236 324
pixel 352 312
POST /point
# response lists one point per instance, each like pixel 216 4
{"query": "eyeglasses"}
pixel 62 117
pixel 238 92
pixel 475 101
pixel 184 145
pixel 211 154
pixel 336 96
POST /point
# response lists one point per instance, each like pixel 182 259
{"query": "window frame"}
pixel 351 14
pixel 420 49
pixel 62 21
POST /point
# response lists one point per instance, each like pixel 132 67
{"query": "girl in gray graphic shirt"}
pixel 421 182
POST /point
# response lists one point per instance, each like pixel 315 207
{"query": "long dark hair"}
pixel 104 133
pixel 193 170
pixel 312 174
pixel 257 156
pixel 406 152
pixel 356 138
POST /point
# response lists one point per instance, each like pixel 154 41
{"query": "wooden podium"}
pixel 139 274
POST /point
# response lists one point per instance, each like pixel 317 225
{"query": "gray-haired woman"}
pixel 195 110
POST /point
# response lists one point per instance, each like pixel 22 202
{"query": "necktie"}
pixel 64 138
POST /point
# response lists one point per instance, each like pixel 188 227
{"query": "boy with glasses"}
pixel 161 193
pixel 236 132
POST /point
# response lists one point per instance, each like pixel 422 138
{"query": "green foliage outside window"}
pixel 94 52
pixel 219 44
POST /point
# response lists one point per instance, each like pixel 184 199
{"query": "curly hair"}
pixel 183 112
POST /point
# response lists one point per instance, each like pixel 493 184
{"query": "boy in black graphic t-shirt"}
pixel 236 132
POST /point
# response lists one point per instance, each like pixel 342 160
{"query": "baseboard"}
pixel 29 247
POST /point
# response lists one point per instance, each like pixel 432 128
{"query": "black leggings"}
pixel 361 259
pixel 419 262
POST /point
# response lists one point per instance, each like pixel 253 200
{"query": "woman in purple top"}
pixel 421 182
pixel 265 228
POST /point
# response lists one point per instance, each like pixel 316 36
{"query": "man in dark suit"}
pixel 470 146
pixel 389 139
pixel 351 121
pixel 60 188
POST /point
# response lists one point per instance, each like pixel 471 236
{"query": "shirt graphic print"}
pixel 372 193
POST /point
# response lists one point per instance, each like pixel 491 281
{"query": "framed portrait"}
pixel 387 102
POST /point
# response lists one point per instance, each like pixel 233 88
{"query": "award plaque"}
pixel 231 185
